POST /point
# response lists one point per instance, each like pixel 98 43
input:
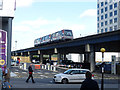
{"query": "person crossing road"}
pixel 30 74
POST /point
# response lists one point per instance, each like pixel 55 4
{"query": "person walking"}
pixel 88 83
pixel 6 74
pixel 30 74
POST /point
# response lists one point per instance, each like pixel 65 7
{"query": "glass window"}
pixel 98 12
pixel 102 17
pixel 101 4
pixel 101 24
pixel 115 5
pixel 105 16
pixel 105 29
pixel 97 5
pixel 1 4
pixel 98 25
pixel 115 27
pixel 115 20
pixel 105 22
pixel 111 28
pixel 97 31
pixel 102 10
pixel 106 9
pixel 111 21
pixel 68 33
pixel 115 12
pixel 101 30
pixel 97 18
pixel 110 7
pixel 105 2
pixel 110 14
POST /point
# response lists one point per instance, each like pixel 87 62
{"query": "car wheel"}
pixel 64 81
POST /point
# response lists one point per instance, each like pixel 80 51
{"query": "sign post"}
pixel 113 65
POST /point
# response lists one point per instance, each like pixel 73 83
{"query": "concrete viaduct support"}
pixel 90 56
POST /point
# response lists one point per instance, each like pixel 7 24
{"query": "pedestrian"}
pixel 89 83
pixel 6 74
pixel 30 74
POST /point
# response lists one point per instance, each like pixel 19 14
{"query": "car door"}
pixel 74 76
pixel 81 75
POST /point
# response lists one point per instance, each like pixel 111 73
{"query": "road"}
pixel 43 79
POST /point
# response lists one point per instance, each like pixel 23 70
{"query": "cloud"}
pixel 89 13
pixel 24 3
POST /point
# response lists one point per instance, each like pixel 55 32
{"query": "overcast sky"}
pixel 37 18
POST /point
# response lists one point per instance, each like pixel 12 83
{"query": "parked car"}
pixel 71 75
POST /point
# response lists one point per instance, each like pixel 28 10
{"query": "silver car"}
pixel 71 75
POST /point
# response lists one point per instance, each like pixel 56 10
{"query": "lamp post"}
pixel 102 81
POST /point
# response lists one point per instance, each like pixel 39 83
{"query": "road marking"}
pixel 39 73
pixel 24 72
pixel 16 72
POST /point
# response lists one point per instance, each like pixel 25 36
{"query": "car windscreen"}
pixel 67 72
pixel 68 33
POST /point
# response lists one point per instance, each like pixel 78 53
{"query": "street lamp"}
pixel 102 50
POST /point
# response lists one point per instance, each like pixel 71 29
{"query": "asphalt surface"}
pixel 44 79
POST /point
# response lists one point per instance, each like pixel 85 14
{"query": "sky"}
pixel 37 18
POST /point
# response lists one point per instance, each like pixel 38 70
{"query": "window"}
pixel 115 12
pixel 1 4
pixel 97 5
pixel 101 10
pixel 105 22
pixel 110 7
pixel 98 25
pixel 102 17
pixel 97 31
pixel 97 18
pixel 115 27
pixel 110 14
pixel 115 5
pixel 98 12
pixel 105 9
pixel 101 4
pixel 110 28
pixel 115 20
pixel 101 24
pixel 111 21
pixel 101 30
pixel 105 2
pixel 105 16
pixel 105 29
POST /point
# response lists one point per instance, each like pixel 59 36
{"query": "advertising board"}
pixel 3 48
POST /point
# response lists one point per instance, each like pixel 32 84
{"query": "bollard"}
pixel 24 66
pixel 45 66
pixel 42 66
pixel 54 69
pixel 51 67
pixel 48 67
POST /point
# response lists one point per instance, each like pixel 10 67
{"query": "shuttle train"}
pixel 62 35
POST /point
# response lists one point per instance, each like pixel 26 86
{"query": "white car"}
pixel 71 75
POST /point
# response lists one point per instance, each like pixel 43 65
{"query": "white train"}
pixel 62 35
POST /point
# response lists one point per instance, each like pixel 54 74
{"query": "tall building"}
pixel 108 16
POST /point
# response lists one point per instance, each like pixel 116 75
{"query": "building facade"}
pixel 108 17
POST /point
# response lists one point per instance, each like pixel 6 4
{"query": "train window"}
pixel 57 34
pixel 68 33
